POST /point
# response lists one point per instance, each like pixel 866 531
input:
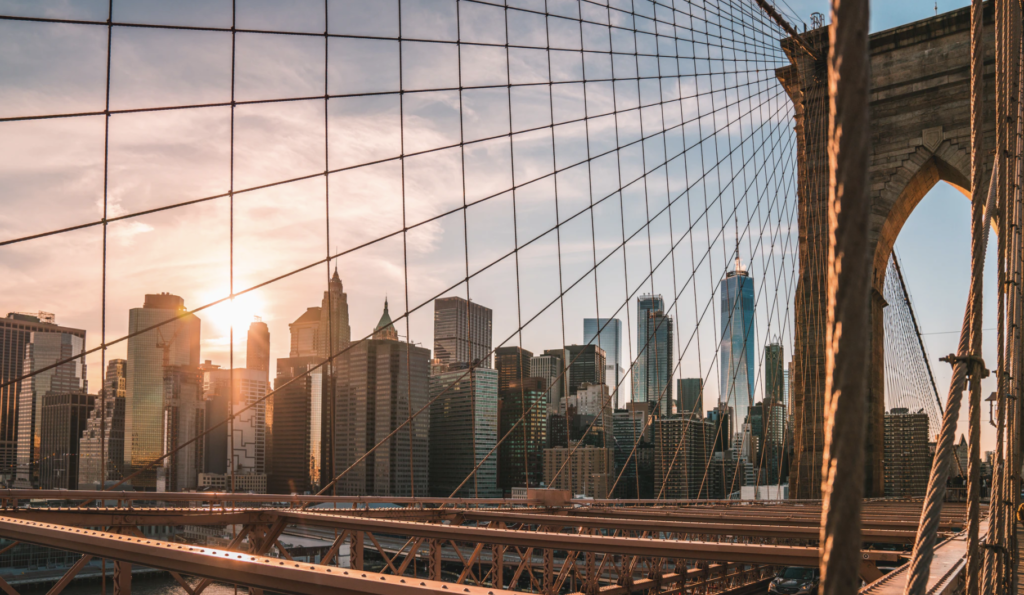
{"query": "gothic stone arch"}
pixel 920 132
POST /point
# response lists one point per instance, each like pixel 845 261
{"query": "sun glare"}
pixel 238 312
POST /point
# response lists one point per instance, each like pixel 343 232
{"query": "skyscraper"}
pixel 15 333
pixel 305 333
pixel 682 448
pixel 63 418
pixel 737 353
pixel 606 333
pixel 249 448
pixel 103 436
pixel 379 381
pixel 774 373
pixel 333 335
pixel 463 430
pixel 548 366
pixel 184 418
pixel 521 455
pixel 174 343
pixel 907 462
pixel 691 398
pixel 652 373
pixel 512 363
pixel 290 459
pixel 257 348
pixel 44 349
pixel 585 365
pixel 462 332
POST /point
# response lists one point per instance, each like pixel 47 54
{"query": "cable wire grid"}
pixel 550 160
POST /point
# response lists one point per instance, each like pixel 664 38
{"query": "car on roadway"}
pixel 795 580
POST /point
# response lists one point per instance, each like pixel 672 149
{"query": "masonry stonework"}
pixel 920 134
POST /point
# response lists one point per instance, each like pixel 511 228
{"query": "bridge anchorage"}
pixel 624 214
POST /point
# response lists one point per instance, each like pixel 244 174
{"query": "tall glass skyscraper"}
pixel 172 344
pixel 737 355
pixel 606 333
pixel 652 372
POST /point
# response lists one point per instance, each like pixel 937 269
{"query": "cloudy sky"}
pixel 724 167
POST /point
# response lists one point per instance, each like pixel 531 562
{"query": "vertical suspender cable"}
pixel 928 526
pixel 849 278
pixel 977 171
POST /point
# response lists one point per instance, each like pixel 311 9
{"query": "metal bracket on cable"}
pixel 975 364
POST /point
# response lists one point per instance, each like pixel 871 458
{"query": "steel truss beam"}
pixel 231 567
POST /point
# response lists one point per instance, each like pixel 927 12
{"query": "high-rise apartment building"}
pixel 257 346
pixel 174 343
pixel 652 372
pixel 606 333
pixel 103 436
pixel 63 419
pixel 379 381
pixel 304 333
pixel 15 333
pixel 690 392
pixel 462 332
pixel 521 455
pixel 463 430
pixel 290 461
pixel 682 451
pixel 737 352
pixel 548 366
pixel 907 463
pixel 45 349
pixel 589 472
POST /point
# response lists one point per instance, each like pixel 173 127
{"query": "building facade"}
pixel 652 372
pixel 549 366
pixel 737 351
pixel 606 333
pixel 305 334
pixel 585 365
pixel 523 425
pixel 257 346
pixel 173 343
pixel 103 436
pixel 907 462
pixel 513 364
pixel 45 349
pixel 184 419
pixel 463 431
pixel 290 462
pixel 462 332
pixel 682 452
pixel 690 393
pixel 15 333
pixel 379 382
pixel 333 336
pixel 63 419
pixel 588 472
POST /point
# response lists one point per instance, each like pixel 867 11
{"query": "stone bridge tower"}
pixel 920 134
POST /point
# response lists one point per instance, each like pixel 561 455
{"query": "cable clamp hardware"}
pixel 974 363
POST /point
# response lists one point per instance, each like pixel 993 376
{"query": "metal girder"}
pixel 754 530
pixel 631 546
pixel 137 517
pixel 231 567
